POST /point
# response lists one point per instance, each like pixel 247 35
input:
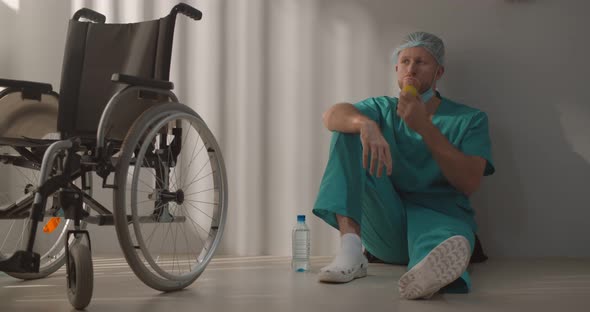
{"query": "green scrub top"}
pixel 416 175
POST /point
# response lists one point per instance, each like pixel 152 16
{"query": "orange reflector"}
pixel 51 224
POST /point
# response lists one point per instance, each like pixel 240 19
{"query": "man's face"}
pixel 416 66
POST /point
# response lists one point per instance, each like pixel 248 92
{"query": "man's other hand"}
pixel 375 146
pixel 412 111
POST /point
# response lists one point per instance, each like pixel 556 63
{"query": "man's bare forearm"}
pixel 464 172
pixel 344 117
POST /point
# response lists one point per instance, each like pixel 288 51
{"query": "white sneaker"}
pixel 332 274
pixel 443 265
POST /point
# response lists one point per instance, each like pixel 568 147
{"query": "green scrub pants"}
pixel 392 229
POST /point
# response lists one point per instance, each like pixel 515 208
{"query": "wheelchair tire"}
pixel 153 166
pixel 80 276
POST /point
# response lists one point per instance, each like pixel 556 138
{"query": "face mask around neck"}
pixel 426 96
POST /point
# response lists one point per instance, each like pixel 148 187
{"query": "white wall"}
pixel 262 72
pixel 36 46
pixel 6 22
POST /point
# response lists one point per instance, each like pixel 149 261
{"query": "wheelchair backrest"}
pixel 93 53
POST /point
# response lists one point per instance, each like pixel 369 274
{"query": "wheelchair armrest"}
pixel 30 90
pixel 144 82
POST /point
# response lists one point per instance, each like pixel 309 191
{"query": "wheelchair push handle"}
pixel 89 15
pixel 187 10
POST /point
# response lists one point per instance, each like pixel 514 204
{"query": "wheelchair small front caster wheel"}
pixel 80 276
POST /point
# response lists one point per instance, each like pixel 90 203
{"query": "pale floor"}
pixel 266 284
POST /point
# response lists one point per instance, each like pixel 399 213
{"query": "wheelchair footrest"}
pixel 21 262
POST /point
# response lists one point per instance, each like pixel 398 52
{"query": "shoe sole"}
pixel 341 276
pixel 443 265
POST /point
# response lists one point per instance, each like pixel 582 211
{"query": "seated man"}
pixel 434 152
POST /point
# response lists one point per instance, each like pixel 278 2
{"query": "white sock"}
pixel 350 254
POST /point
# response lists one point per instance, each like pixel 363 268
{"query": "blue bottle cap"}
pixel 300 218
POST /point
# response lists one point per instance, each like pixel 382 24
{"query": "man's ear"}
pixel 441 71
pixel 396 68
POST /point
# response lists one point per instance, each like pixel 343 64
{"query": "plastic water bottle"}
pixel 301 242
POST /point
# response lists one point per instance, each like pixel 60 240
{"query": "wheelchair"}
pixel 115 114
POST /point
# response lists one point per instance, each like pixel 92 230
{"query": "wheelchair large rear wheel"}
pixel 171 196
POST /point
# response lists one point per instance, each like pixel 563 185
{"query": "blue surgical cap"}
pixel 430 42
